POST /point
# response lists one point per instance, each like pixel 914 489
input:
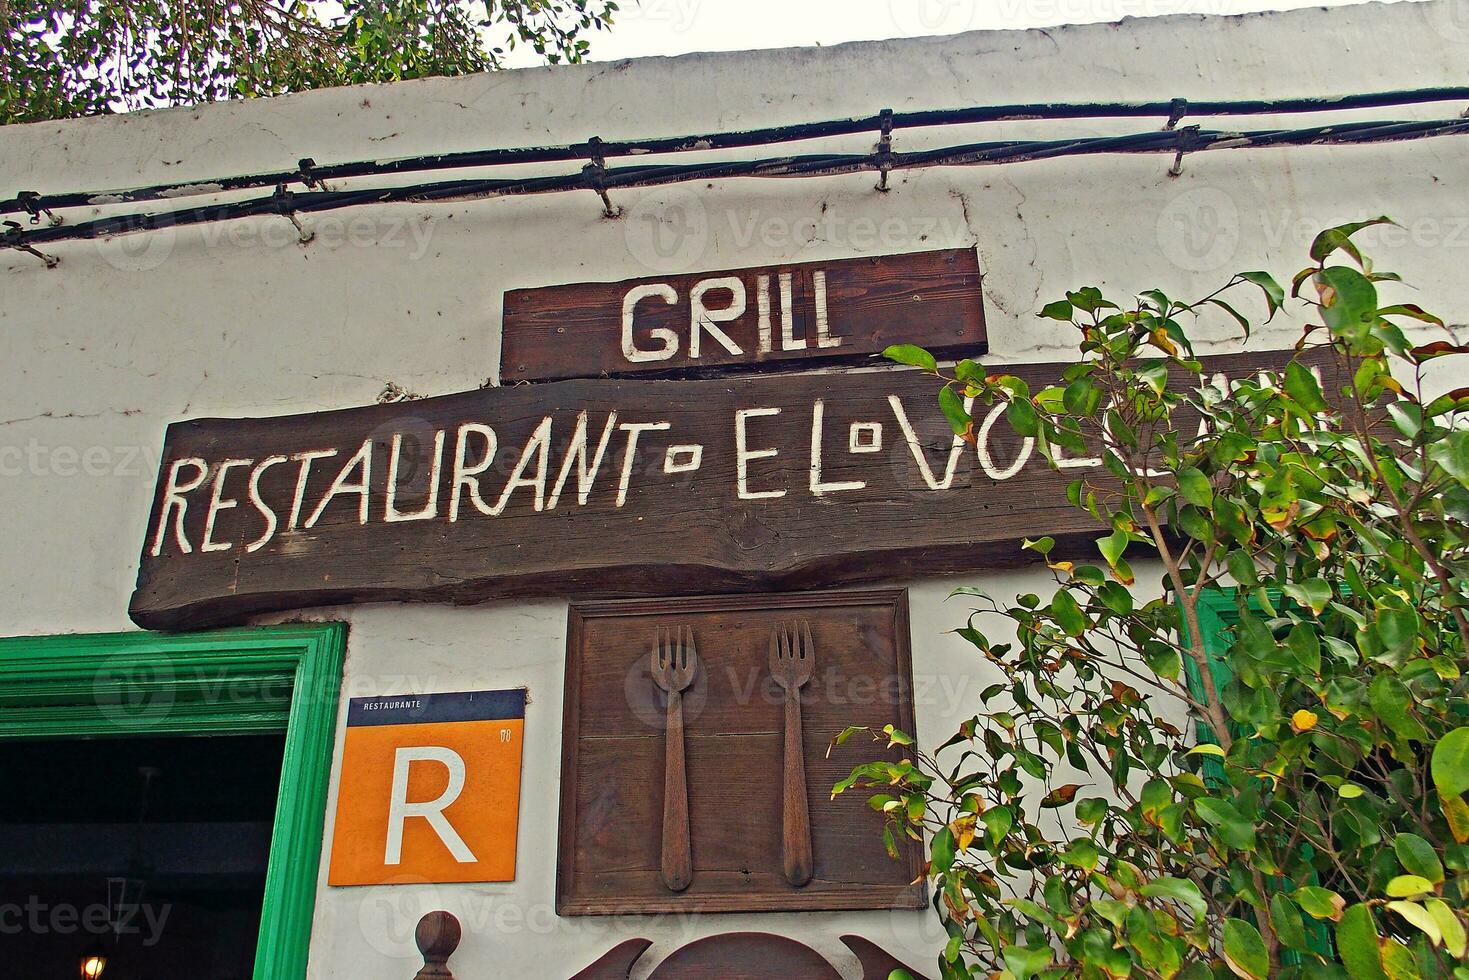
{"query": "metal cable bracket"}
pixel 1177 109
pixel 1187 138
pixel 282 201
pixel 885 149
pixel 307 169
pixel 11 238
pixel 594 174
pixel 30 200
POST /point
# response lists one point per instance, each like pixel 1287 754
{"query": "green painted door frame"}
pixel 267 679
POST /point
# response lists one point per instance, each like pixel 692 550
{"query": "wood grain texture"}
pixel 925 505
pixel 437 936
pixel 609 858
pixel 745 956
pixel 576 331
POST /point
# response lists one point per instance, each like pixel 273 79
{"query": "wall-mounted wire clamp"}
pixel 12 237
pixel 1188 137
pixel 594 175
pixel 30 200
pixel 306 168
pixel 282 201
pixel 1177 109
pixel 885 149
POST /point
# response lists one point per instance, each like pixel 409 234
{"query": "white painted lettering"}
pixel 744 454
pixel 669 339
pixel 174 502
pixel 702 319
pixel 818 487
pixel 217 503
pixel 430 508
pixel 360 461
pixel 266 511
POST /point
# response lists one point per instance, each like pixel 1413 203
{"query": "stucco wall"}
pixel 99 354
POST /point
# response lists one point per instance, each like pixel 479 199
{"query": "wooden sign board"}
pixel 838 312
pixel 733 728
pixel 429 789
pixel 597 488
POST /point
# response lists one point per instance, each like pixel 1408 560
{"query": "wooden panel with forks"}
pixel 763 684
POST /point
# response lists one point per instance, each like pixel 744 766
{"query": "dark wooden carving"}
pixel 837 312
pixel 877 964
pixel 719 499
pixel 741 955
pixel 792 660
pixel 617 962
pixel 437 936
pixel 734 714
pixel 673 665
pixel 745 956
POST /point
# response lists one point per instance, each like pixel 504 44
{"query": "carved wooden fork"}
pixel 673 664
pixel 792 659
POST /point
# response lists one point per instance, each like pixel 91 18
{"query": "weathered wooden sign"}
pixel 595 488
pixel 824 312
pixel 738 753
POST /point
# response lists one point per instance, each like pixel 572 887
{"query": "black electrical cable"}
pixel 1161 141
pixel 310 175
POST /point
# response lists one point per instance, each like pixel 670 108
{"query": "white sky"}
pixel 669 27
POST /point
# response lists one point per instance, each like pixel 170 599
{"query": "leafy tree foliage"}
pixel 1318 828
pixel 68 58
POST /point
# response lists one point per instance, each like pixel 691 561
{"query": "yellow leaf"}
pixel 1303 720
pixel 963 829
pixel 1456 812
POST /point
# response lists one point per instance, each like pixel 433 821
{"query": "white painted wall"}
pixel 98 355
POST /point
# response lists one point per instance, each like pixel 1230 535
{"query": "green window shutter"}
pixel 1218 615
pixel 260 679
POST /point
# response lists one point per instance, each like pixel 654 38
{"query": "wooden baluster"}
pixel 438 936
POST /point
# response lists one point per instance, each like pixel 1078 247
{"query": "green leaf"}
pixel 997 823
pixel 1059 310
pixel 1206 748
pixel 1274 294
pixel 1286 920
pixel 1112 547
pixel 1179 890
pixel 1451 763
pixel 1340 237
pixel 1357 944
pixel 1406 886
pixel 1392 701
pixel 1303 388
pixel 1452 453
pixel 1244 950
pixel 1233 829
pixel 1314 593
pixel 1348 300
pixel 1068 614
pixel 1418 857
pixel 1081 854
pixel 1022 417
pixel 1319 903
pixel 942 850
pixel 954 410
pixel 1025 962
pixel 1194 487
pixel 912 355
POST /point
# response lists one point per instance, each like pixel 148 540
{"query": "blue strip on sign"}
pixel 422 709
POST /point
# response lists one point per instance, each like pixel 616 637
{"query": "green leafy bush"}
pixel 1313 821
pixel 62 58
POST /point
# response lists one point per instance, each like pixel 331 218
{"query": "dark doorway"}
pixel 151 851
